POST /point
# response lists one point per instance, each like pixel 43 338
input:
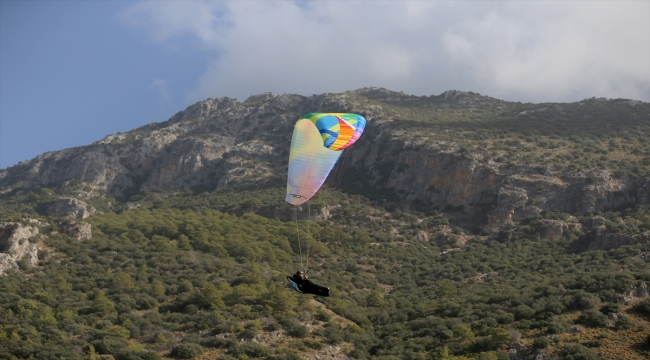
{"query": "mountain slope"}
pixel 458 227
pixel 489 162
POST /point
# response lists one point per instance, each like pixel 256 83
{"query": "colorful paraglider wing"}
pixel 316 145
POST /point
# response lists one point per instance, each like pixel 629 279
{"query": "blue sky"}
pixel 72 72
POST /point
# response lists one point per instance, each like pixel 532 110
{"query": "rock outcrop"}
pixel 642 291
pixel 15 245
pixel 78 230
pixel 218 143
pixel 70 208
pixel 483 191
pixel 555 229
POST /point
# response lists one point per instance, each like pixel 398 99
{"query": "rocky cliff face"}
pixel 486 192
pixel 212 143
pixel 70 208
pixel 15 245
pixel 221 142
pixel 78 230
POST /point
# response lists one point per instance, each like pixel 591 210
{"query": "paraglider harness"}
pixel 301 284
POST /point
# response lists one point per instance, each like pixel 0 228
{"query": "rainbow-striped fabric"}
pixel 316 145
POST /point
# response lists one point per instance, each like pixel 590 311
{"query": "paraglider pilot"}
pixel 307 286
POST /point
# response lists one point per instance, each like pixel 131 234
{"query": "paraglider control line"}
pixel 295 211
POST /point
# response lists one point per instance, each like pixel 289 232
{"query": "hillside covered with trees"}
pixel 503 263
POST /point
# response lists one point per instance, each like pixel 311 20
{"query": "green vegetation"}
pixel 200 273
pixel 175 278
pixel 590 134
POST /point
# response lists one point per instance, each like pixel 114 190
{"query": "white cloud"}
pixel 164 92
pixel 169 20
pixel 526 51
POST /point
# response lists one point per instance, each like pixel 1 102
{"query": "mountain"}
pixel 459 226
pixel 488 161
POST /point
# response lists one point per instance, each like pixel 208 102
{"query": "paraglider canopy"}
pixel 317 143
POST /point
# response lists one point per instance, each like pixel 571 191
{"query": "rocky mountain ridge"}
pixel 218 143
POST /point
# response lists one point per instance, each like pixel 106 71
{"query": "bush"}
pixel 313 344
pixel 250 333
pixel 488 356
pixel 555 307
pixel 285 356
pixel 624 323
pixel 643 307
pixel 187 351
pixel 585 301
pixel 137 355
pixel 226 357
pixel 593 318
pixel 273 327
pixel 218 342
pixel 293 327
pixel 251 350
pixel 23 263
pixel 575 351
pixel 524 312
pixel 333 334
pixel 611 308
pixel 541 342
pixel 150 355
pixel 145 302
pixel 109 345
pixel 557 326
pixel 322 316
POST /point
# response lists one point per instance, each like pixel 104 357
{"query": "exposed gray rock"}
pixel 509 200
pixel 555 229
pixel 70 208
pixel 15 245
pixel 131 206
pixel 218 143
pixel 38 222
pixel 78 230
pixel 642 291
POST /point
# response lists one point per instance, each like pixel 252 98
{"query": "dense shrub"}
pixel 137 355
pixel 219 342
pixel 593 318
pixel 575 351
pixel 322 316
pixel 187 351
pixel 109 345
pixel 541 342
pixel 293 327
pixel 524 312
pixel 333 334
pixel 253 350
pixel 643 307
pixel 145 302
pixel 624 323
pixel 610 308
pixel 557 326
pixel 584 301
